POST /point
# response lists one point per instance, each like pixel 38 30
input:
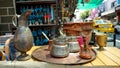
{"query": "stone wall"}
pixel 7 11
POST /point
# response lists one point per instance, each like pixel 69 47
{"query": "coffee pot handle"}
pixel 14 20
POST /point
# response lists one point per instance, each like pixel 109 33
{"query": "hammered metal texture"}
pixel 42 54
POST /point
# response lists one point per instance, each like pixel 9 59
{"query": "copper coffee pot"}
pixel 84 38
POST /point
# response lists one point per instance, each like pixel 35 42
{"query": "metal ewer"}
pixel 23 39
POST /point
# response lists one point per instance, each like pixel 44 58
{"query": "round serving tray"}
pixel 42 54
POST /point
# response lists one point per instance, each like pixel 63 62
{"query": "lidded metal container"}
pixel 59 48
pixel 73 44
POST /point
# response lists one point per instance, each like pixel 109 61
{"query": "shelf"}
pixel 42 25
pixel 37 2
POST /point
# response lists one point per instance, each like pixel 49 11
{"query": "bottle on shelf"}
pixel 37 41
pixel 37 23
pixel 45 18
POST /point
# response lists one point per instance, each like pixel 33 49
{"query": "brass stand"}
pixel 23 57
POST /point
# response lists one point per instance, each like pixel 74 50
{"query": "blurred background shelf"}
pixel 36 2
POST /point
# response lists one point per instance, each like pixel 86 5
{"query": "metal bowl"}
pixel 74 47
pixel 59 51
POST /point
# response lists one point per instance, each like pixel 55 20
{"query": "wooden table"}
pixel 110 57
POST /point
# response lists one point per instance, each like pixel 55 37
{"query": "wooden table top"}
pixel 110 57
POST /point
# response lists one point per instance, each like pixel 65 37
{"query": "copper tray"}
pixel 42 54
